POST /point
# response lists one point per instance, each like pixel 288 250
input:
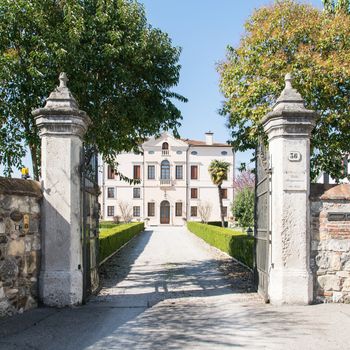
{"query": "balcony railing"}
pixel 165 152
pixel 165 182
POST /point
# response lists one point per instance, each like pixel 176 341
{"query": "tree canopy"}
pixel 121 72
pixel 313 45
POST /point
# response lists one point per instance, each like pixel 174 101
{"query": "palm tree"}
pixel 218 172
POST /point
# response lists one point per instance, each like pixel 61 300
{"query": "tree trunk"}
pixel 221 207
pixel 33 153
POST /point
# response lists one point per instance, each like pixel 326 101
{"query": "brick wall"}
pixel 19 244
pixel 330 242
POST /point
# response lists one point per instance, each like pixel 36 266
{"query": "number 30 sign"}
pixel 294 156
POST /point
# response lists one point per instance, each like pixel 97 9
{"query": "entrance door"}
pixel 165 212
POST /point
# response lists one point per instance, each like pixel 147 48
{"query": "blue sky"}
pixel 203 29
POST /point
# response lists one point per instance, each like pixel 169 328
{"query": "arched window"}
pixel 165 145
pixel 165 170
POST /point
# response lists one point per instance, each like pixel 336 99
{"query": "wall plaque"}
pixel 294 181
pixel 16 216
pixel 338 216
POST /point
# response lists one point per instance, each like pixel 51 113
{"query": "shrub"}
pixel 237 244
pixel 112 239
pixel 243 207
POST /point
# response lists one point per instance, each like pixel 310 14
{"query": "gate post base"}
pixel 290 286
pixel 61 288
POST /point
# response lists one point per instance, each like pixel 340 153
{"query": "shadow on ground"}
pixel 169 305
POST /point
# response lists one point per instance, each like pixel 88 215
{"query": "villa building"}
pixel 174 182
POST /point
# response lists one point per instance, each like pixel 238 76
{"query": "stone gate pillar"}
pixel 289 127
pixel 61 127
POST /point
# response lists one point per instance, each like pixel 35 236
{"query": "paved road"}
pixel 167 290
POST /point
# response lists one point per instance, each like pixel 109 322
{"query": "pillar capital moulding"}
pixel 62 126
pixel 288 127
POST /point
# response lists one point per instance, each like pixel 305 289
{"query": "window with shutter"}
pixel 151 209
pixel 110 192
pixel 151 173
pixel 178 172
pixel 137 192
pixel 136 211
pixel 194 211
pixel 178 209
pixel 194 192
pixel 110 172
pixel 110 211
pixel 194 172
pixel 137 172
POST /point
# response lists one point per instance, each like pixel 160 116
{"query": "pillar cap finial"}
pixel 63 80
pixel 61 113
pixel 290 98
pixel 290 103
pixel 288 78
pixel 61 97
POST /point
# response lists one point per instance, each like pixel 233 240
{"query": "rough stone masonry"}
pixel 19 244
pixel 330 242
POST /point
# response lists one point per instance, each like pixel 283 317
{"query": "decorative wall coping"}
pixel 341 192
pixel 20 187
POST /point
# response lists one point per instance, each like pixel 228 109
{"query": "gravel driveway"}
pixel 170 262
pixel 167 289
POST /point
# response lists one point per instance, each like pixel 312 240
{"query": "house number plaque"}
pixel 294 156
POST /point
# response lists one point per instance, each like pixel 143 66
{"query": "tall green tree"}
pixel 314 46
pixel 335 6
pixel 218 171
pixel 121 72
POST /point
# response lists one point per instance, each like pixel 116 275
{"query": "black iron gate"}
pixel 261 219
pixel 90 220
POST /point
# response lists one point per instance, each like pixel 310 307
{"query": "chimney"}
pixel 209 138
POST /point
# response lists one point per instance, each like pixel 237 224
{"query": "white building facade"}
pixel 174 182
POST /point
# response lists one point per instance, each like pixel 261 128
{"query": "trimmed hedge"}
pixel 237 244
pixel 217 223
pixel 112 239
pixel 107 224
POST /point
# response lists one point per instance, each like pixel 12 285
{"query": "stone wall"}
pixel 19 244
pixel 330 242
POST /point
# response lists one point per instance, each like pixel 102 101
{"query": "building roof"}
pixel 202 143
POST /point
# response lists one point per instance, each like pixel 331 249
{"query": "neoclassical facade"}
pixel 174 182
